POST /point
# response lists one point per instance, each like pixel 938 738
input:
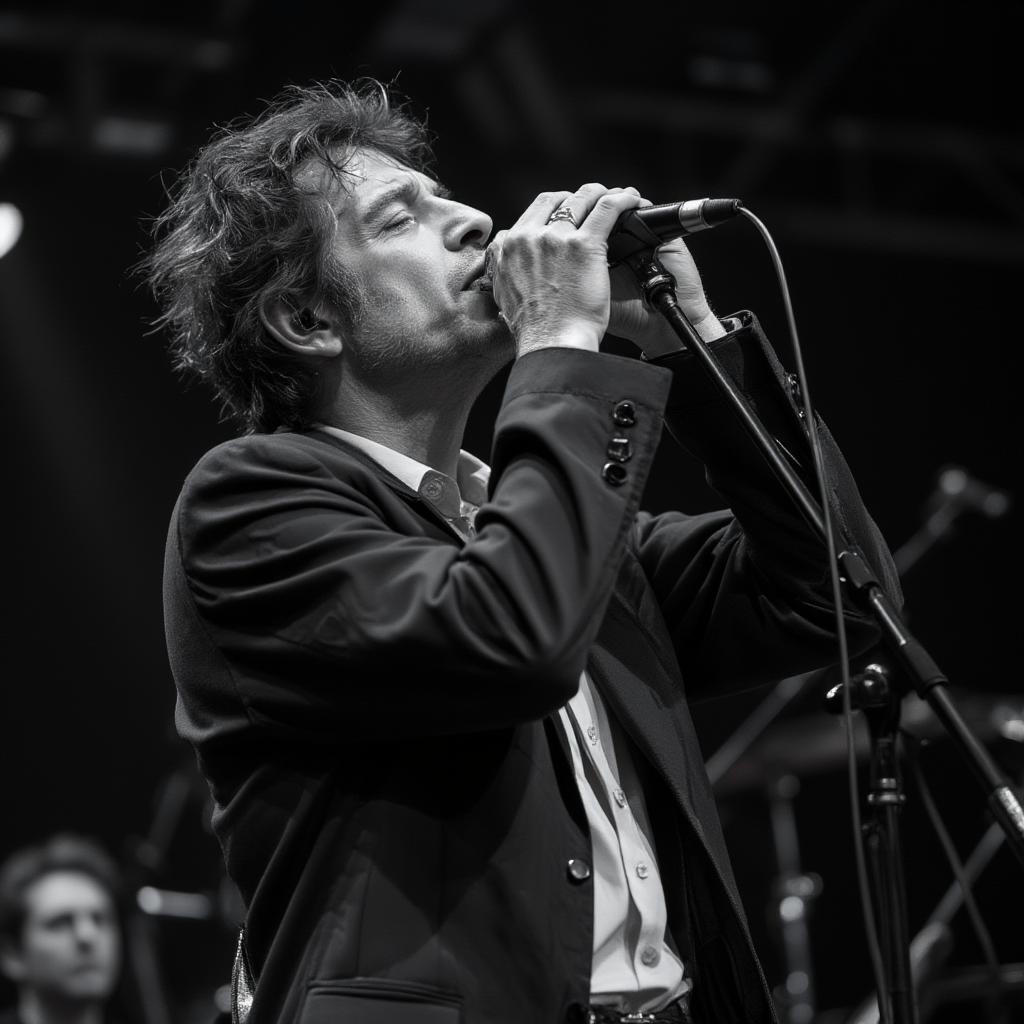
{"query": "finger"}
pixel 675 246
pixel 542 207
pixel 494 246
pixel 573 210
pixel 492 255
pixel 583 201
pixel 607 210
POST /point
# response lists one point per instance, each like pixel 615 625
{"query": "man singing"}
pixel 442 705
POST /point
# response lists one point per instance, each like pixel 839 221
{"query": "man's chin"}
pixel 88 984
pixel 486 332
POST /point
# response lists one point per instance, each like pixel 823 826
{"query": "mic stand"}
pixel 880 701
pixel 658 288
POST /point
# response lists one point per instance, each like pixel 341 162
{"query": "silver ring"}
pixel 563 213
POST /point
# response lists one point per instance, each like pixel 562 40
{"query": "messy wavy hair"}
pixel 240 229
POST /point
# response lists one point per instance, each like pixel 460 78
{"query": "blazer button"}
pixel 578 870
pixel 614 473
pixel 620 449
pixel 624 414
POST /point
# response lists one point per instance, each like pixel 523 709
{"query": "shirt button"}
pixel 592 733
pixel 624 414
pixel 620 797
pixel 614 473
pixel 642 870
pixel 649 956
pixel 578 870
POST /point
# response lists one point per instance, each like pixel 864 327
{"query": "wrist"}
pixel 664 341
pixel 578 336
pixel 710 328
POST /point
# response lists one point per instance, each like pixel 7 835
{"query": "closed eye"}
pixel 399 222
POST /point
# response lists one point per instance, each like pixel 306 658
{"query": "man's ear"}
pixel 299 329
pixel 12 963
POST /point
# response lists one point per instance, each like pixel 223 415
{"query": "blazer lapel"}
pixel 647 702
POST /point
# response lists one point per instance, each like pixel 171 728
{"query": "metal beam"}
pixel 70 34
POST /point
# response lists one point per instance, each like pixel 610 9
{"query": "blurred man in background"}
pixel 60 935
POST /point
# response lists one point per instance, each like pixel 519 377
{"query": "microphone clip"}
pixel 631 239
pixel 651 275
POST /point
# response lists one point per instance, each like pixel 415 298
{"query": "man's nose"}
pixel 86 929
pixel 469 226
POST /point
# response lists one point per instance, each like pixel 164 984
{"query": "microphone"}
pixel 648 227
pixel 956 486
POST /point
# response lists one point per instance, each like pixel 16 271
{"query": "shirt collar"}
pixel 447 495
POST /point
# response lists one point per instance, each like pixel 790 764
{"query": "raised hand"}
pixel 550 270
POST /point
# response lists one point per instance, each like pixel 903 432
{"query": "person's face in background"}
pixel 70 949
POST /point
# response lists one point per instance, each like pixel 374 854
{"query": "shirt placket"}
pixel 640 870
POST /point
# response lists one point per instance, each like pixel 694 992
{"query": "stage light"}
pixel 10 227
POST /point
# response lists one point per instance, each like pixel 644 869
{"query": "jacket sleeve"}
pixel 746 594
pixel 316 596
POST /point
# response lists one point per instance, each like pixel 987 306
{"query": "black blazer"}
pixel 372 699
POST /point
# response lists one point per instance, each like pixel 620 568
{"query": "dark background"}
pixel 881 144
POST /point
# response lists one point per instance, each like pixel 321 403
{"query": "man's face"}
pixel 414 254
pixel 71 946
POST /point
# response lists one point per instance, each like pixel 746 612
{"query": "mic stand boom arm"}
pixel 658 287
